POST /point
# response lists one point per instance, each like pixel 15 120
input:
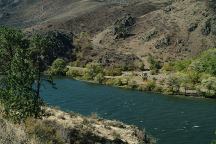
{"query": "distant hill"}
pixel 166 29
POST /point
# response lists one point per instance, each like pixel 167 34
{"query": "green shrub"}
pixel 173 83
pixel 75 72
pixel 118 82
pixel 206 62
pixel 210 85
pixel 58 67
pixel 113 71
pixel 150 85
pixel 93 69
pixel 99 78
pixel 181 65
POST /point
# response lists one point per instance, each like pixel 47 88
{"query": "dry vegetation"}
pixel 66 128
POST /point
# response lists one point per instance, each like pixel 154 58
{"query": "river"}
pixel 171 119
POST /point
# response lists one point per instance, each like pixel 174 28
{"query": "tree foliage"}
pixel 210 85
pixel 22 62
pixel 93 69
pixel 49 46
pixel 206 62
pixel 10 40
pixel 20 100
pixel 58 67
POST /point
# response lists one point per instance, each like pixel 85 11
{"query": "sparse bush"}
pixel 43 131
pixel 9 134
pixel 154 64
pixel 83 41
pixel 123 25
pixel 149 35
pixel 150 85
pixel 116 135
pixel 158 89
pixel 173 83
pixel 132 84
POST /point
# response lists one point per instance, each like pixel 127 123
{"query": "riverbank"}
pixel 60 127
pixel 142 81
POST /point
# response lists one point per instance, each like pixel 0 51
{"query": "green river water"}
pixel 170 119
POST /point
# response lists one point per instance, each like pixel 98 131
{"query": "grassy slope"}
pixel 60 127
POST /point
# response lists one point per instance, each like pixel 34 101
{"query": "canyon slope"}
pixel 165 29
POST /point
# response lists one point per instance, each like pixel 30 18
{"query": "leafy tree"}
pixel 93 69
pixel 206 62
pixel 20 100
pixel 58 67
pixel 47 47
pixel 209 84
pixel 10 40
pixel 22 67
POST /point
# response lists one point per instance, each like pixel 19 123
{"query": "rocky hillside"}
pixel 177 31
pixel 166 29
